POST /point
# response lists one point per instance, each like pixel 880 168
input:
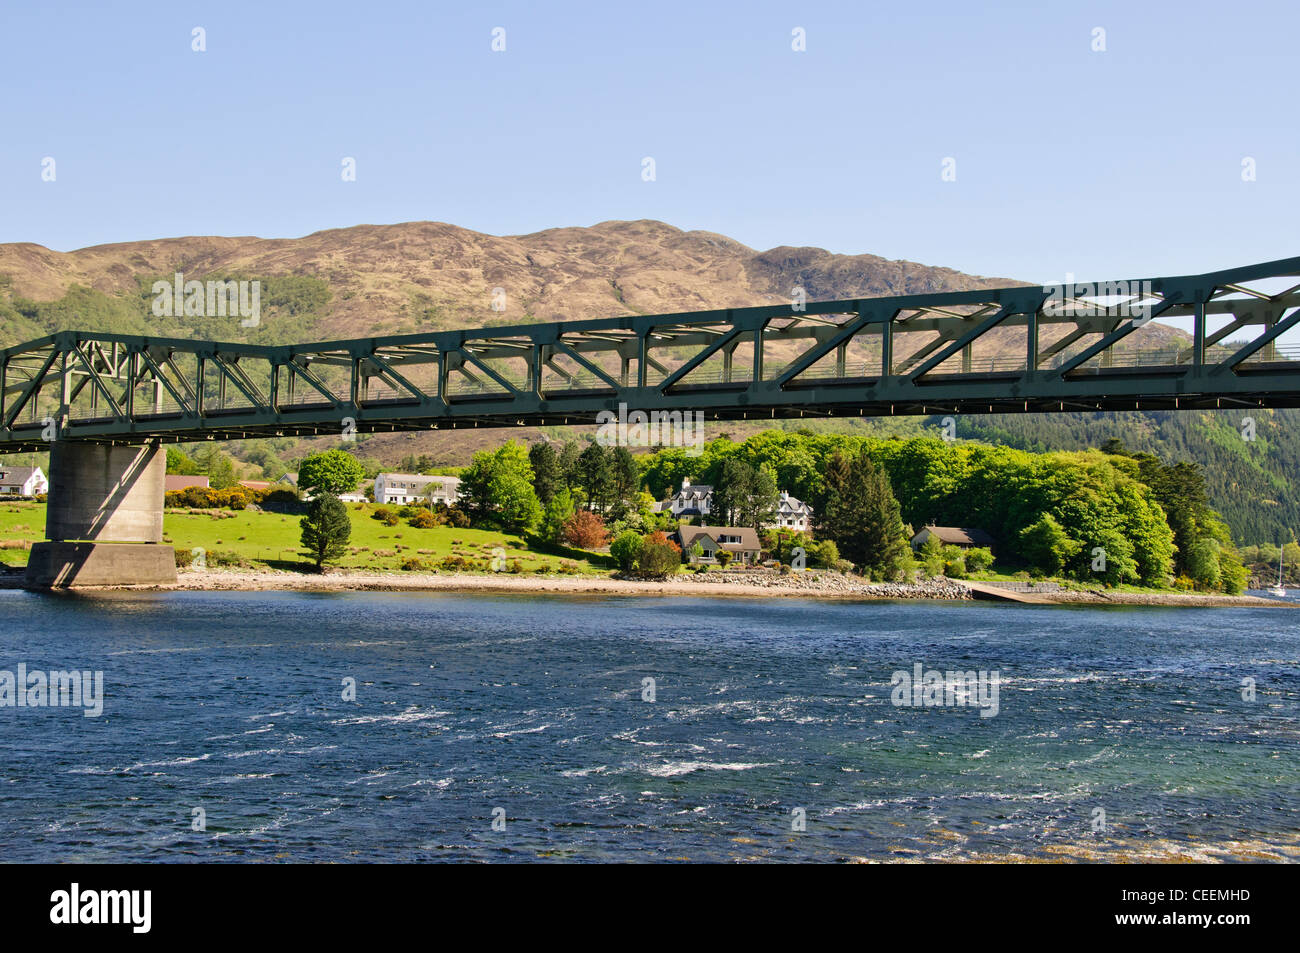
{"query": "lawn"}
pixel 271 540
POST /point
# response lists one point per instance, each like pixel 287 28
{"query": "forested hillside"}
pixel 1252 483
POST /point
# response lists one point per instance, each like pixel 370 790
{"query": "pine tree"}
pixel 547 478
pixel 326 529
pixel 861 515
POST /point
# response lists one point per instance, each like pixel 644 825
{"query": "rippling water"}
pixel 533 705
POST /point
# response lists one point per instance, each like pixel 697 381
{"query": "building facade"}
pixel 741 541
pixel 696 500
pixel 416 488
pixel 792 513
pixel 691 500
pixel 22 481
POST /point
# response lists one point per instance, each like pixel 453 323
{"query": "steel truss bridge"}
pixel 1006 350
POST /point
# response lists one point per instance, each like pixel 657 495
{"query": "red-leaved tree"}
pixel 586 530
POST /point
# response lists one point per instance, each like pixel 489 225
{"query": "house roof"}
pixel 698 490
pixel 790 504
pixel 179 481
pixel 959 535
pixel 748 536
pixel 18 474
pixel 255 484
pixel 407 478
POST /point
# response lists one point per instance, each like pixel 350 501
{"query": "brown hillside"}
pixel 423 276
pixel 428 274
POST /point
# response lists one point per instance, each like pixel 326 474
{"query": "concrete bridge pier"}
pixel 104 518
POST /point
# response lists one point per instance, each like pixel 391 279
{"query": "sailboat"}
pixel 1279 589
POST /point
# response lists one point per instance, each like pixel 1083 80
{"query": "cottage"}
pixel 22 481
pixel 962 536
pixel 741 541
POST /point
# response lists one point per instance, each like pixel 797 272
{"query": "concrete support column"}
pixel 103 518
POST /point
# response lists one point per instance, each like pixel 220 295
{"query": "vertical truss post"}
pixel 132 366
pixel 1198 332
pixel 65 391
pixel 643 356
pixel 887 347
pixel 200 378
pixel 1031 343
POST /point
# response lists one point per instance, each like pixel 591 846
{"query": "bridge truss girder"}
pixel 1071 350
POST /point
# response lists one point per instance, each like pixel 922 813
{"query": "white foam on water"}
pixel 672 769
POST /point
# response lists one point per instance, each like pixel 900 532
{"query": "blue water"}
pixel 532 705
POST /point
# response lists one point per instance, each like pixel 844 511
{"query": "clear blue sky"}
pixel 1123 163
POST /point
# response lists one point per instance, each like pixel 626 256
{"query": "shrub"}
pixel 226 560
pixel 724 557
pixel 954 562
pixel 659 555
pixel 979 559
pixel 425 519
pixel 626 549
pixel 414 565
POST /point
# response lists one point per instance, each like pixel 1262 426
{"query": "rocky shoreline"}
pixel 814 584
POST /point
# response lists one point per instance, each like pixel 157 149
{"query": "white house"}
pixel 401 488
pixel 692 500
pixel 22 481
pixel 444 489
pixel 793 514
pixel 697 500
pixel 415 488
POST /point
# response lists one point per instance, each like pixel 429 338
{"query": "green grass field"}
pixel 271 540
